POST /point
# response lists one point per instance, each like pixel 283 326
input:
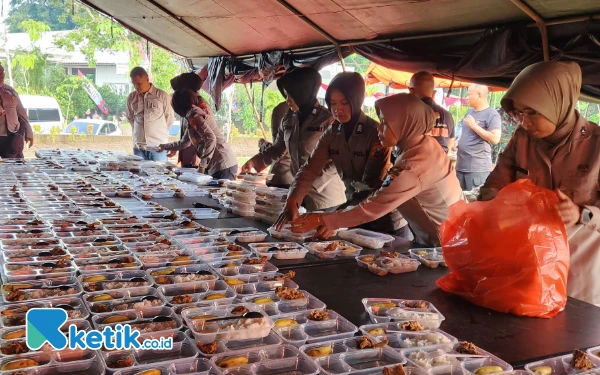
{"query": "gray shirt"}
pixel 475 153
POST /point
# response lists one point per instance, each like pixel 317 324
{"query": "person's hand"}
pixel 248 167
pixel 471 122
pixel 161 148
pixel 306 223
pixel 29 141
pixel 289 213
pixel 201 170
pixel 569 212
pixel 323 233
pixel 171 153
pixel 455 148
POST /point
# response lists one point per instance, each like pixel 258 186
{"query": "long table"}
pixel 341 284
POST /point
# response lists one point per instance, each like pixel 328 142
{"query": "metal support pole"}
pixel 262 129
pixel 541 24
pixel 318 29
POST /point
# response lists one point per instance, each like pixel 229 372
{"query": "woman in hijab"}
pixel 421 185
pixel 300 130
pixel 353 146
pixel 556 148
pixel 187 151
pixel 216 157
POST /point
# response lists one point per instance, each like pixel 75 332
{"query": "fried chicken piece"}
pixel 234 248
pixel 102 308
pixel 412 326
pixel 187 212
pixel 289 275
pixel 181 299
pixel 57 251
pixel 318 315
pixel 187 224
pixel 16 321
pixel 261 260
pixel 366 343
pixel 331 247
pixel 580 361
pixel 466 348
pixel 396 370
pixel 240 310
pixel 163 240
pixel 63 263
pixel 389 254
pixel 417 305
pixel 163 280
pixel 16 295
pixel 210 348
pixel 122 362
pixel 203 230
pixel 288 294
pixel 14 347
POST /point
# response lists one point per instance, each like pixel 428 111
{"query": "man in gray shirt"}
pixel 481 128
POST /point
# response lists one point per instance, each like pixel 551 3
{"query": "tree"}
pixel 31 64
pixel 53 13
pixel 117 102
pixel 72 98
pixel 164 67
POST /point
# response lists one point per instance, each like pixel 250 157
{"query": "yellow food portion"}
pixel 421 252
pixel 233 362
pixel 263 301
pixel 101 297
pixel 320 351
pixel 486 370
pixel 285 323
pixel 377 332
pixel 234 282
pixel 211 297
pixel 168 271
pixel 204 317
pixel 150 372
pixel 115 319
pixel 92 279
pixel 11 287
pixel 183 260
pixel 384 304
pixel 543 370
pixel 15 335
pixel 18 364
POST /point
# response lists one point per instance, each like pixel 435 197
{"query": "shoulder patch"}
pixel 359 128
pixel 392 173
pixel 376 149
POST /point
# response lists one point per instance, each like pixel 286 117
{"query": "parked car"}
pixel 92 127
pixel 43 111
pixel 174 129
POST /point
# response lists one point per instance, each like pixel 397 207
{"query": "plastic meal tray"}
pixel 122 300
pixel 431 258
pixel 180 366
pixel 13 315
pixel 382 310
pixel 123 279
pixel 284 359
pixel 366 238
pixel 562 365
pixel 198 213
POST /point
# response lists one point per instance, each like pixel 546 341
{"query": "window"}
pixel 32 113
pixel 82 127
pixel 48 114
pixel 111 128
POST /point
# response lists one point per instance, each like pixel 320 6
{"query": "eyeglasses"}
pixel 519 116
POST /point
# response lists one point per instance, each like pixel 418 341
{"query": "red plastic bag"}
pixel 509 254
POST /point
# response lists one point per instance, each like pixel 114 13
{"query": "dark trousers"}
pixel 226 174
pixel 471 180
pixel 12 146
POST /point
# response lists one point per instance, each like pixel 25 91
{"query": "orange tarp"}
pixel 400 80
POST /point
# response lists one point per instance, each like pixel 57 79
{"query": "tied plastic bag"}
pixel 509 254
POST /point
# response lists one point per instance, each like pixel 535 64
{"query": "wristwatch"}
pixel 585 215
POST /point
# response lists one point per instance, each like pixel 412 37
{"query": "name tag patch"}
pixel 520 169
pixel 314 129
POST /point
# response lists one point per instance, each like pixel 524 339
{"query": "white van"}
pixel 43 111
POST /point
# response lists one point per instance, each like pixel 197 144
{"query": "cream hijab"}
pixel 407 116
pixel 551 89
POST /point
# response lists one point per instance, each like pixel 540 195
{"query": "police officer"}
pixel 14 123
pixel 353 146
pixel 299 133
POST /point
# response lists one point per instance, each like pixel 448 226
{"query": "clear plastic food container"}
pixel 344 356
pixel 34 290
pixel 382 266
pixel 109 301
pixel 436 360
pixel 28 255
pixel 47 244
pixel 197 292
pixel 255 284
pixel 127 362
pixel 366 238
pixel 27 234
pixel 13 315
pixel 218 347
pixel 215 253
pixel 242 213
pixel 148 320
pixel 172 258
pixel 91 241
pixel 332 249
pixel 287 235
pixel 432 257
pixel 101 281
pixel 421 339
pixel 231 268
pixel 383 310
pixel 279 250
pixel 284 359
pixel 381 329
pixel 97 251
pixel 200 230
pixel 21 271
pixel 233 322
pixel 181 274
pixel 562 365
pixel 197 213
pixel 92 265
pixel 274 305
pixel 312 326
pixel 192 366
pixel 65 361
pixel 272 193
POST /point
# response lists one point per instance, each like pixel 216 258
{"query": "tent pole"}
pixel 262 129
pixel 539 22
pixel 317 28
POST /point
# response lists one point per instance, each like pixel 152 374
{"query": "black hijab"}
pixel 352 85
pixel 302 85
